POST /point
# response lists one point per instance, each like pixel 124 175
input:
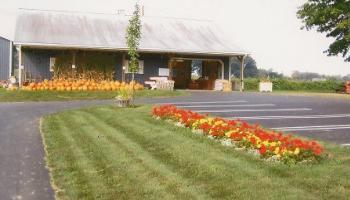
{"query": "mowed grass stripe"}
pixel 170 183
pixel 104 174
pixel 66 160
pixel 186 157
pixel 151 159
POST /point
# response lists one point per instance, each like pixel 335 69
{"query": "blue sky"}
pixel 268 29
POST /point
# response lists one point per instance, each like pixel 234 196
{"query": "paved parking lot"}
pixel 319 118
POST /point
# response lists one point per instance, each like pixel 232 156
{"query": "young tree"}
pixel 331 17
pixel 133 36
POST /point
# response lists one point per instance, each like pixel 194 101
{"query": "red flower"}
pixel 238 130
pixel 262 150
pixel 252 140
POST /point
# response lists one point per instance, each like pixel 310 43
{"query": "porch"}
pixel 190 71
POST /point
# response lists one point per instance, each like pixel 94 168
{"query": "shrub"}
pixel 294 85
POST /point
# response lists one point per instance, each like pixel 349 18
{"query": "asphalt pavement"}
pixel 319 118
pixel 22 164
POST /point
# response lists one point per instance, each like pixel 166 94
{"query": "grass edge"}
pixel 54 186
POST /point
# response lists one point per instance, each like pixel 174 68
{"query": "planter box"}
pixel 123 102
pixel 265 87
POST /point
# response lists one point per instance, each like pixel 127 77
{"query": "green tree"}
pixel 133 37
pixel 250 70
pixel 331 17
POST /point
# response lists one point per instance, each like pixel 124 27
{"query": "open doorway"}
pixel 196 74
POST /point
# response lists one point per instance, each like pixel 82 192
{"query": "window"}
pixel 196 69
pixel 141 67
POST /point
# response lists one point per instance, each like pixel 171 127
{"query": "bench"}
pixel 160 83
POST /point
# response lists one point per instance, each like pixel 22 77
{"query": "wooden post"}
pixel 170 67
pixel 229 69
pixel 73 63
pixel 123 68
pixel 242 58
pixel 222 69
pixel 19 49
pixel 10 60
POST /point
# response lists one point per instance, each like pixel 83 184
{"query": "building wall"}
pixel 5 47
pixel 36 63
pixel 152 63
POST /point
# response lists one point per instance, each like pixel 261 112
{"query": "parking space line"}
pixel 227 106
pixel 347 145
pixel 204 102
pixel 293 117
pixel 306 128
pixel 254 110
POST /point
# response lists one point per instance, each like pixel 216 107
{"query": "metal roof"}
pixel 59 29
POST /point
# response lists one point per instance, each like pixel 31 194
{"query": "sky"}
pixel 268 29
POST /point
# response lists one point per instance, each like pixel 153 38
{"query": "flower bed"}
pixel 267 144
pixel 81 85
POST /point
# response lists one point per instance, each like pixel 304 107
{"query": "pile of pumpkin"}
pixel 81 85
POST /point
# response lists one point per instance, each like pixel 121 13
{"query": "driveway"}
pixel 22 165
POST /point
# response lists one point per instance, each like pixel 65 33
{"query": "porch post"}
pixel 229 69
pixel 242 58
pixel 20 67
pixel 10 60
pixel 170 67
pixel 123 67
pixel 222 69
pixel 73 64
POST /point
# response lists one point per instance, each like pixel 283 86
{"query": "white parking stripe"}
pixel 294 117
pixel 294 127
pixel 254 110
pixel 204 102
pixel 347 145
pixel 315 129
pixel 306 128
pixel 226 106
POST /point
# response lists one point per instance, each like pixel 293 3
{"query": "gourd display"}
pixel 81 85
pixel 88 71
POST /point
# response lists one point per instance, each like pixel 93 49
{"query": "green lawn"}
pixel 110 153
pixel 20 95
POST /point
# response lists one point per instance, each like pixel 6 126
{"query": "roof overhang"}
pixel 123 49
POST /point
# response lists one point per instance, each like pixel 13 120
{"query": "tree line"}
pixel 251 70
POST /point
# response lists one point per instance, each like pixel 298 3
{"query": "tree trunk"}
pixel 133 88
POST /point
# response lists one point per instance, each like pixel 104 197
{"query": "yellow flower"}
pixel 218 122
pixel 296 151
pixel 228 133
pixel 210 119
pixel 202 121
pixel 277 150
pixel 272 144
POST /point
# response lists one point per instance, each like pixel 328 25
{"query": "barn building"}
pixel 5 58
pixel 193 53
